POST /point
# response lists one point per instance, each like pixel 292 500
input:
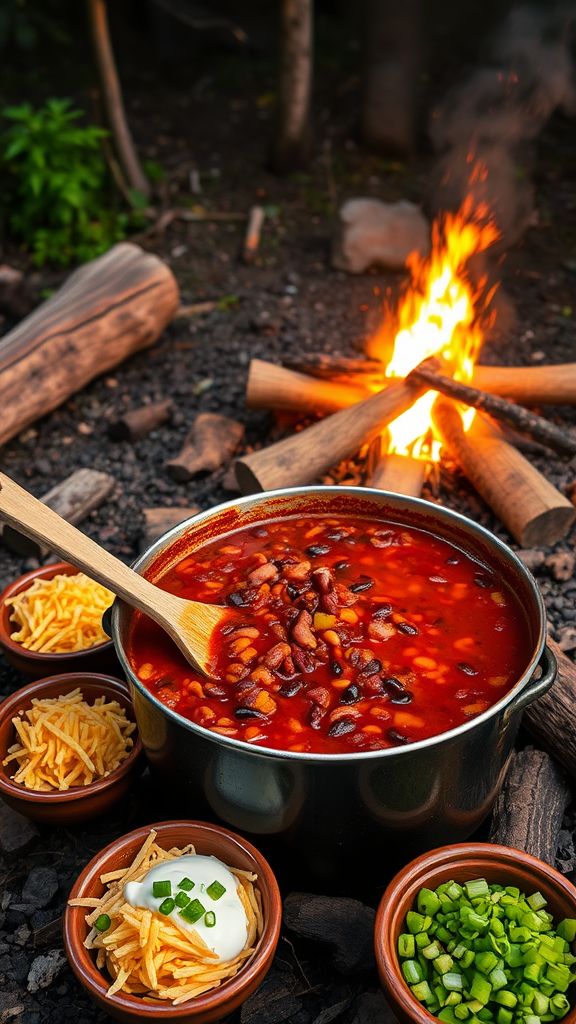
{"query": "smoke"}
pixel 483 129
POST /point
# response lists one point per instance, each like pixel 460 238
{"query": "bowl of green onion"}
pixel 476 933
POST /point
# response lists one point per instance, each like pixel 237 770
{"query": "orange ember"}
pixel 438 315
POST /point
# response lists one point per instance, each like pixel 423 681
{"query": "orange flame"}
pixel 440 314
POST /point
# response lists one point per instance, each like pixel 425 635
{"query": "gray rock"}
pixel 374 233
pixel 16 832
pixel 44 969
pixel 567 639
pixel 11 1005
pixel 40 887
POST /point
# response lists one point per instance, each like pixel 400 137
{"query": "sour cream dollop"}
pixel 227 937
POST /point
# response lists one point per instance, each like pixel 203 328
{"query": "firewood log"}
pixel 530 806
pixel 550 719
pixel 105 311
pixel 136 423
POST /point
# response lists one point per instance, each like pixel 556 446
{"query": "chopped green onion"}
pixel 412 972
pixel 167 905
pixel 181 899
pixel 187 884
pixel 423 992
pixel 567 929
pixel 452 982
pixel 485 962
pixel 215 890
pixel 210 919
pixel 477 887
pixel 193 912
pixel 506 998
pixel 161 889
pixel 102 923
pixel 428 902
pixel 406 946
pixel 536 901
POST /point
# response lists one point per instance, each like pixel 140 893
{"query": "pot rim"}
pixel 306 757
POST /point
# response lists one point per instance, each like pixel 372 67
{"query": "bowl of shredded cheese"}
pixel 69 748
pixel 51 621
pixel 175 921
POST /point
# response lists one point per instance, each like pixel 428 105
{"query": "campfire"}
pixel 419 390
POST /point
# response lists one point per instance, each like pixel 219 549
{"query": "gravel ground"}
pixel 289 301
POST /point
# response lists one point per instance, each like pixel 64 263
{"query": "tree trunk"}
pixel 293 137
pixel 391 69
pixel 112 97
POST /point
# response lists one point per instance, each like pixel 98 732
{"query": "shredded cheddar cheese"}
pixel 149 955
pixel 60 614
pixel 63 741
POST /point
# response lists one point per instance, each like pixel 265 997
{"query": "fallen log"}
pixel 105 311
pixel 306 455
pixel 530 806
pixel 550 719
pixel 136 423
pixel 212 440
pixel 158 521
pixel 73 499
pixel 540 429
pixel 535 512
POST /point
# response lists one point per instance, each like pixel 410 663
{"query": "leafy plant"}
pixel 56 184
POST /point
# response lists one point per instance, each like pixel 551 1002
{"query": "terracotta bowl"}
pixel 79 802
pixel 462 862
pixel 208 840
pixel 101 658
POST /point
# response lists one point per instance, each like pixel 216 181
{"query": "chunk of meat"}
pixel 302 631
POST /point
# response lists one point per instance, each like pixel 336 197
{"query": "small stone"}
pixel 11 1005
pixel 40 887
pixel 21 935
pixel 374 233
pixel 561 565
pixel 44 969
pixel 567 639
pixel 532 558
pixel 16 832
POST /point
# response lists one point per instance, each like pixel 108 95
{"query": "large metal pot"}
pixel 326 805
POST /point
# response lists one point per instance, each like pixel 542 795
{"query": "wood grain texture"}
pixel 274 387
pixel 105 311
pixel 304 456
pixel 551 719
pixel 399 474
pixel 74 498
pixel 530 806
pixel 535 512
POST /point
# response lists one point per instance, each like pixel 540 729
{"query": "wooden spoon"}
pixel 189 623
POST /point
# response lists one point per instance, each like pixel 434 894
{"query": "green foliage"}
pixel 55 184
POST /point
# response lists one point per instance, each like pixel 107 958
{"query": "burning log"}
pixel 534 512
pixel 105 311
pixel 306 455
pixel 530 806
pixel 550 719
pixel 73 499
pixel 274 387
pixel 500 408
pixel 159 520
pixel 136 423
pixel 212 440
pixel 400 474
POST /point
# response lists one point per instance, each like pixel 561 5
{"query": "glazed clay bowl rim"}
pixel 93 684
pixel 95 981
pixel 429 870
pixel 38 657
pixel 367 496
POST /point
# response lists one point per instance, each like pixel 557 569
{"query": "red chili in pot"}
pixel 350 635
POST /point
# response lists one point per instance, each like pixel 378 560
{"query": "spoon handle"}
pixel 25 513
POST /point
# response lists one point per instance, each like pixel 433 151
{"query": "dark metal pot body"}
pixel 325 807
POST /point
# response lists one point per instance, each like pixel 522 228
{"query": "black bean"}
pixel 290 689
pixel 342 726
pixel 315 717
pixel 401 698
pixel 407 628
pixel 244 712
pixel 341 566
pixel 383 612
pixel 482 580
pixel 336 668
pixel 361 585
pixel 336 534
pixel 453 560
pixel 292 592
pixel 317 549
pixel 372 667
pixel 236 599
pixel 468 670
pixel 396 737
pixel 350 695
pixel 391 683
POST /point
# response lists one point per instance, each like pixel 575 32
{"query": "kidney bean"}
pixel 342 566
pixel 396 737
pixel 408 628
pixel 290 689
pixel 341 727
pixel 314 550
pixel 322 578
pixel 361 585
pixel 382 612
pixel 244 712
pixel 467 669
pixel 336 668
pixel 350 695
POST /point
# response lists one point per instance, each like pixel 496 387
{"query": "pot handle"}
pixel 537 687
